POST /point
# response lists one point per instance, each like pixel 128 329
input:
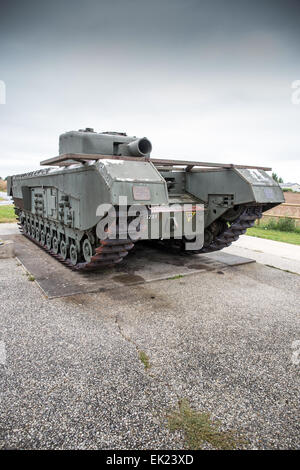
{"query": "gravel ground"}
pixel 71 376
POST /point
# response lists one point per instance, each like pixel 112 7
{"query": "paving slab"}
pixel 144 264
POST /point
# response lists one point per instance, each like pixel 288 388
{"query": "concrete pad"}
pixel 9 229
pixel 229 259
pixel 144 264
pixel 7 249
pixel 279 255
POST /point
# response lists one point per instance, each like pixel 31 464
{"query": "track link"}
pixel 238 227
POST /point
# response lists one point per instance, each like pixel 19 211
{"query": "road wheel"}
pixel 43 237
pixel 63 249
pixel 73 254
pixel 55 245
pixel 48 241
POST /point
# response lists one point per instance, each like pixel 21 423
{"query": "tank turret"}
pixel 103 143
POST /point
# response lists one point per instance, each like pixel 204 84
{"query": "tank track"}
pixel 108 253
pixel 233 231
pixel 221 238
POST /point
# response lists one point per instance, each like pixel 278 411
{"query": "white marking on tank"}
pixel 113 162
pixel 257 175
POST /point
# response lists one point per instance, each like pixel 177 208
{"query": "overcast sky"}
pixel 203 80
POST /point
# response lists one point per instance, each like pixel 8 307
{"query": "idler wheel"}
pixel 73 254
pixel 87 250
pixel 233 213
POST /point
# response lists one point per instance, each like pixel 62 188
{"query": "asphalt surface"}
pixel 71 376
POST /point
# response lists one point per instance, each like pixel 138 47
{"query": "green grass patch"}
pixel 2 198
pixel 145 359
pixel 199 429
pixel 284 224
pixel 277 235
pixel 179 276
pixel 7 214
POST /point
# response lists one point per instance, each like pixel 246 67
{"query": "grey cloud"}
pixel 175 70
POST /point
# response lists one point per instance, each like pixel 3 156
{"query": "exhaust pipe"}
pixel 140 147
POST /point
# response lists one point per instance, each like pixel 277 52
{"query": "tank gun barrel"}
pixel 140 147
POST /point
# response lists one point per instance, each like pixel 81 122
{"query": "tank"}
pixel 104 192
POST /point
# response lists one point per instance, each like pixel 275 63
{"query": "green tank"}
pixel 104 192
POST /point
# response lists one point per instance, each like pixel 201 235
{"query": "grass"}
pixel 30 277
pixel 145 359
pixel 284 224
pixel 178 276
pixel 7 214
pixel 199 429
pixel 277 235
pixel 2 198
pixel 282 230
